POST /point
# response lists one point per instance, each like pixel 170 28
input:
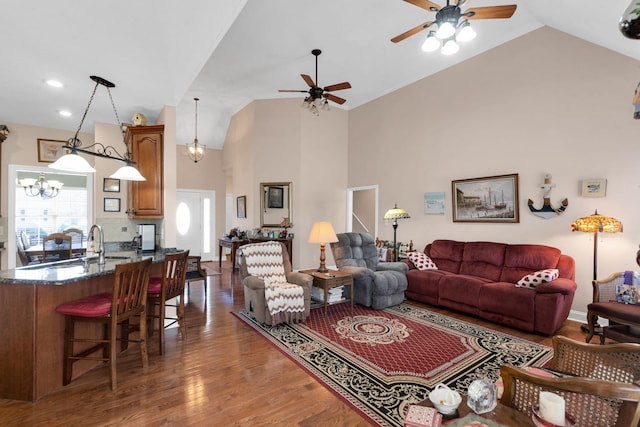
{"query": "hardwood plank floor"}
pixel 225 374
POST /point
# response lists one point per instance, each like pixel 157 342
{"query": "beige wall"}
pixel 544 103
pixel 277 141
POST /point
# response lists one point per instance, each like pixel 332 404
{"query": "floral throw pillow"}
pixel 421 261
pixel 541 276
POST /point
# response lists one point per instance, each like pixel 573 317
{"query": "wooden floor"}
pixel 225 374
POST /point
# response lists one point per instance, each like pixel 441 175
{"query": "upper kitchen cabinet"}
pixel 146 198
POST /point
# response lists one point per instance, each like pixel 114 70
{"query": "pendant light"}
pixel 195 150
pixel 73 162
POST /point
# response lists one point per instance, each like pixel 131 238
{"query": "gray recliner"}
pixel 376 284
pixel 254 298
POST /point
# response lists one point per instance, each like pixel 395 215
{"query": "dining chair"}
pixel 168 286
pixel 77 240
pixel 56 247
pixel 195 272
pixel 25 258
pixel 612 362
pixel 591 402
pixel 127 299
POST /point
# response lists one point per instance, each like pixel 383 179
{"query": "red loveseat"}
pixel 479 278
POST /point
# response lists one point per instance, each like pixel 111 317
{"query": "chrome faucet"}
pixel 91 238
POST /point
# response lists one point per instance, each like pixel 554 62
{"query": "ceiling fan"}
pixel 317 96
pixel 449 18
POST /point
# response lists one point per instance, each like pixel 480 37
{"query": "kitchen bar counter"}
pixel 32 333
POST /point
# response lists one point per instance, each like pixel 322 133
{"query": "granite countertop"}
pixel 72 270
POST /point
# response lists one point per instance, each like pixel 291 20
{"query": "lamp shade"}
pixel 597 223
pixel 322 232
pixel 72 162
pixel 396 213
pixel 128 173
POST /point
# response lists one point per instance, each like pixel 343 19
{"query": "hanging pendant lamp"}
pixel 195 150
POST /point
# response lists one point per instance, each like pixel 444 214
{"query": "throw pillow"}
pixel 421 261
pixel 541 276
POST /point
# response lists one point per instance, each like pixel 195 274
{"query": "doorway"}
pixel 362 209
pixel 195 222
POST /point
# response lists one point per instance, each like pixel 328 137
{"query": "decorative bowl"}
pixel 570 421
pixel 445 400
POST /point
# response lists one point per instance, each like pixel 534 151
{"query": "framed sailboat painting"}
pixel 488 199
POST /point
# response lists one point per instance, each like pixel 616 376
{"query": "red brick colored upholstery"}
pixel 155 285
pixel 479 278
pixel 92 306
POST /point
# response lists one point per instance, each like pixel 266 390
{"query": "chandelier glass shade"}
pixel 453 27
pixel 73 162
pixel 41 187
pixel 195 150
pixel 315 105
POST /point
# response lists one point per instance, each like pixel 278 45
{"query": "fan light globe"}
pixel 467 33
pixel 450 47
pixel 445 30
pixel 431 43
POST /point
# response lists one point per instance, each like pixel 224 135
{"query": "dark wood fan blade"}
pixel 425 4
pixel 492 12
pixel 338 86
pixel 335 99
pixel 293 90
pixel 308 80
pixel 411 32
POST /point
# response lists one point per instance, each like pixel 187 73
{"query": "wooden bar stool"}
pixel 161 289
pixel 128 299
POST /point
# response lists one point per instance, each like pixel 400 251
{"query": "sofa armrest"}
pixel 409 264
pixel 253 282
pixel 560 285
pixel 358 273
pixel 301 279
pixel 399 266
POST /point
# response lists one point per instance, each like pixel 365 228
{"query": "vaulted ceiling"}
pixel 228 53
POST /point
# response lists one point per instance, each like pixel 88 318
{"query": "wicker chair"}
pixel 591 402
pixel 613 362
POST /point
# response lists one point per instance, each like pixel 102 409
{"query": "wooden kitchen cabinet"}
pixel 146 198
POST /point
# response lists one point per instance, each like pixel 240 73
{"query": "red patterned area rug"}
pixel 381 361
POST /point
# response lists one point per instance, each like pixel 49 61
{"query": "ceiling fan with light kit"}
pixel 317 98
pixel 452 23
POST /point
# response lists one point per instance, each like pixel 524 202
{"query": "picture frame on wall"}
pixel 241 206
pixel 594 187
pixel 111 185
pixel 275 198
pixel 111 204
pixel 487 199
pixel 50 150
pixel 434 203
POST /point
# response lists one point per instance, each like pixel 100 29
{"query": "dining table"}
pixel 77 249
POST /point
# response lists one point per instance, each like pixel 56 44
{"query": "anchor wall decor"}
pixel 547 211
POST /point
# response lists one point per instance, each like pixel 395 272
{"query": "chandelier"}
pixel 41 187
pixel 451 29
pixel 72 162
pixel 195 150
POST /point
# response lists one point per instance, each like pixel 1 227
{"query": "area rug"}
pixel 381 361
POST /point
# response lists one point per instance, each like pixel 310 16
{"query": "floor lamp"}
pixel 395 214
pixel 596 224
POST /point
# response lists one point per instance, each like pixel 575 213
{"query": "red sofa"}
pixel 479 278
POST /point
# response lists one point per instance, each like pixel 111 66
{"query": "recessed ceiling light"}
pixel 54 83
pixel 65 113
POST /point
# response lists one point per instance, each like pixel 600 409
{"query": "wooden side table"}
pixel 332 279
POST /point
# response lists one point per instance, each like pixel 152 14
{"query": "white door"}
pixel 195 219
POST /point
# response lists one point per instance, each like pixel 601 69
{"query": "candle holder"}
pixel 482 396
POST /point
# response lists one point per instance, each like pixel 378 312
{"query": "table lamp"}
pixel 322 232
pixel 395 214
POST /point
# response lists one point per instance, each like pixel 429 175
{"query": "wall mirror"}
pixel 275 203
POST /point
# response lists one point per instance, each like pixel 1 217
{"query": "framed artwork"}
pixel 275 198
pixel 488 199
pixel 434 203
pixel 111 185
pixel 50 150
pixel 594 187
pixel 111 205
pixel 241 206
